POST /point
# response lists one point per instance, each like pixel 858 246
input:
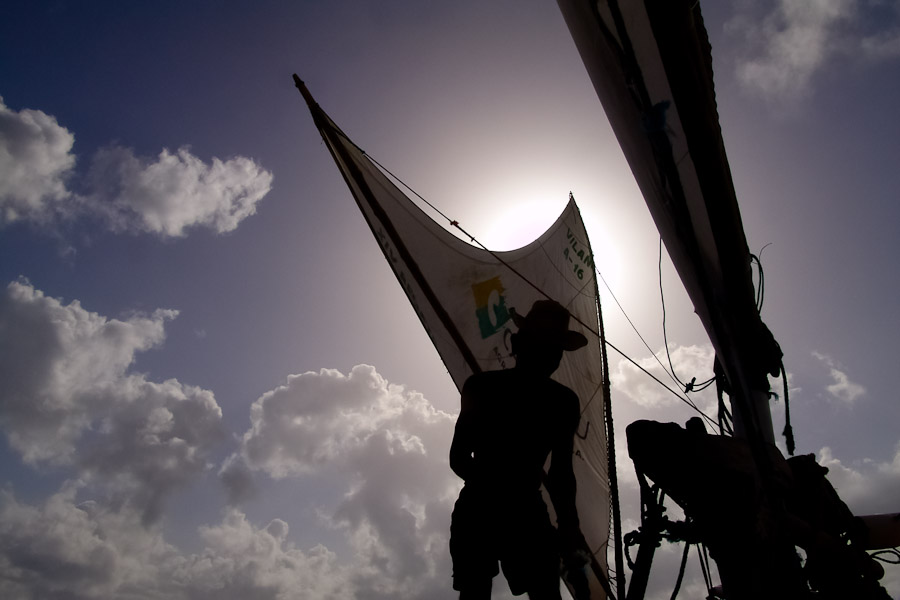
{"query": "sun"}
pixel 517 222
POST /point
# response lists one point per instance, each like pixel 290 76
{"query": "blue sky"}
pixel 184 272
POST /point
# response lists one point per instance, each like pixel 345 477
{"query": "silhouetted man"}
pixel 509 422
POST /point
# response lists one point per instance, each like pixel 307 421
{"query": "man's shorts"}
pixel 516 533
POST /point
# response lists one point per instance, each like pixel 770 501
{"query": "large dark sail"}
pixel 650 63
pixel 651 66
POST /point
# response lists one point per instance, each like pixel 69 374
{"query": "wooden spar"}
pixel 667 114
pixel 656 89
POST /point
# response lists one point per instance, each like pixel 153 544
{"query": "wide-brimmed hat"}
pixel 548 322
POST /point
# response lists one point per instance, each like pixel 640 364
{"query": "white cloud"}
pixel 175 192
pixel 237 478
pixel 386 445
pixel 35 161
pixel 64 549
pixel 882 46
pixel 842 389
pixel 869 487
pixel 390 446
pixel 166 196
pixel 319 418
pixel 689 362
pixel 242 561
pixel 69 399
pixel 798 38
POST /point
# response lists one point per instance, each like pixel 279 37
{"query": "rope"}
pixel 612 473
pixel 760 289
pixel 627 318
pixel 725 418
pixel 475 241
pixel 582 323
pixel 386 170
pixel 684 557
pixel 688 387
pixel 656 379
pixel 788 431
pixel 704 566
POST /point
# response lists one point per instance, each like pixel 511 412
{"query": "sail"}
pixel 651 67
pixel 463 295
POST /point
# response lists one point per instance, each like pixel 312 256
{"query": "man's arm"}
pixel 461 460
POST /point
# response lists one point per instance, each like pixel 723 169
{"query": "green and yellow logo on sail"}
pixel 490 306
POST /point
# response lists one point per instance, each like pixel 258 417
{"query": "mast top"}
pixel 306 95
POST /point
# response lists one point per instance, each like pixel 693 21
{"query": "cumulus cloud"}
pixel 164 196
pixel 868 487
pixel 176 191
pixel 237 478
pixel 842 389
pixel 390 446
pixel 386 446
pixel 791 44
pixel 689 362
pixel 35 161
pixel 242 561
pixel 65 549
pixel 68 398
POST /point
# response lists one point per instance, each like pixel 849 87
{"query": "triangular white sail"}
pixel 463 296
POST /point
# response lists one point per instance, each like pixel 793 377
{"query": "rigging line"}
pixel 704 567
pixel 419 196
pixel 475 241
pixel 761 289
pixel 585 325
pixel 340 154
pixel 630 322
pixel 709 568
pixel 681 396
pixel 663 302
pixel 478 243
pixel 760 284
pixel 543 293
pixel 657 380
pixel 684 557
pixel 788 431
pixel 688 387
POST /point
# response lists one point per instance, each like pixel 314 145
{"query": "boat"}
pixel 650 65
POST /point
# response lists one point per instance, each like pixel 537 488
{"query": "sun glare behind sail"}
pixel 518 222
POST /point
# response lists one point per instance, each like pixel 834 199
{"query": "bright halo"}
pixel 520 222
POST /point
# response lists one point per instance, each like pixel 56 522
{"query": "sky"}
pixel 214 387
